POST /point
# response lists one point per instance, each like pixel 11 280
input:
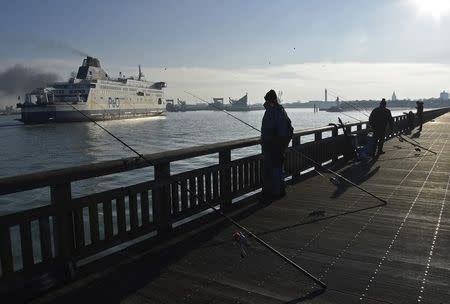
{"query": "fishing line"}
pixel 349 104
pixel 349 116
pixel 215 209
pixel 335 94
pixel 301 154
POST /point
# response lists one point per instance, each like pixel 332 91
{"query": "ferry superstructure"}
pixel 97 96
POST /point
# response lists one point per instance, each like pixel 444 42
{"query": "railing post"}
pixel 358 133
pixel 161 199
pixel 318 136
pixel 297 157
pixel 318 155
pixel 334 134
pixel 6 254
pixel 225 179
pixel 63 227
pixel 348 129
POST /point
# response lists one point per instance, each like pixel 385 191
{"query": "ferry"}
pixel 93 95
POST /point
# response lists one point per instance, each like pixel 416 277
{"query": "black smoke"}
pixel 61 46
pixel 19 79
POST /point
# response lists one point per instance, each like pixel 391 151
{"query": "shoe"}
pixel 381 152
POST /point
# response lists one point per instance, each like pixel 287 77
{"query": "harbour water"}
pixel 32 148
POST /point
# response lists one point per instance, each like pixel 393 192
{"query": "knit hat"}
pixel 271 96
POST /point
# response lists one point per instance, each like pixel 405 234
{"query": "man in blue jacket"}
pixel 276 133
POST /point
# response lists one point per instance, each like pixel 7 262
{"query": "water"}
pixel 31 148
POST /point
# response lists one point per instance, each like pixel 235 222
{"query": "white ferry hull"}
pixel 38 115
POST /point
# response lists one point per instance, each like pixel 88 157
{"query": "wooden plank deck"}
pixel 364 251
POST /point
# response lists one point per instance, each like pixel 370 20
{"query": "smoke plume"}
pixel 19 79
pixel 62 46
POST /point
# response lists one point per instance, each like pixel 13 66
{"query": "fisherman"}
pixel 410 119
pixel 419 107
pixel 276 133
pixel 379 118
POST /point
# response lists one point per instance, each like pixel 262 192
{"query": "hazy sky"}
pixel 359 48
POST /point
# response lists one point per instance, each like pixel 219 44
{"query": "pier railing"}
pixel 69 229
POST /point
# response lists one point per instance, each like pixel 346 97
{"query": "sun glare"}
pixel 435 8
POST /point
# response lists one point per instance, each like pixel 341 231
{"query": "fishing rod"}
pixel 413 140
pixel 214 208
pixel 418 147
pixel 348 103
pixel 301 154
pixel 349 116
pixel 361 110
pixel 416 144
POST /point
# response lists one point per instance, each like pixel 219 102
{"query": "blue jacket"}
pixel 276 132
pixel 379 118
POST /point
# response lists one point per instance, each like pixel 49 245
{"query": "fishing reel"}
pixel 335 181
pixel 241 240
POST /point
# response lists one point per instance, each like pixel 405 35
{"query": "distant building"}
pixel 444 96
pixel 326 95
pixel 394 97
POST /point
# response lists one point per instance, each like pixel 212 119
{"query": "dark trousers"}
pixel 273 179
pixel 378 140
pixel 410 123
pixel 420 119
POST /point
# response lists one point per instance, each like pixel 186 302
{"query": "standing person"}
pixel 410 119
pixel 379 119
pixel 276 133
pixel 419 107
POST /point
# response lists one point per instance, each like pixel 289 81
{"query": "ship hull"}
pixel 39 116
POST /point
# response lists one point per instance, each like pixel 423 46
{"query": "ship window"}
pixel 92 85
pixel 90 72
pixel 159 101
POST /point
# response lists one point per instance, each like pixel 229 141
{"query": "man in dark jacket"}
pixel 379 119
pixel 419 107
pixel 276 133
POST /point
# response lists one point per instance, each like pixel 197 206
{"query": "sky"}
pixel 360 49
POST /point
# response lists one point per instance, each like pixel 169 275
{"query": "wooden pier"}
pixel 366 252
